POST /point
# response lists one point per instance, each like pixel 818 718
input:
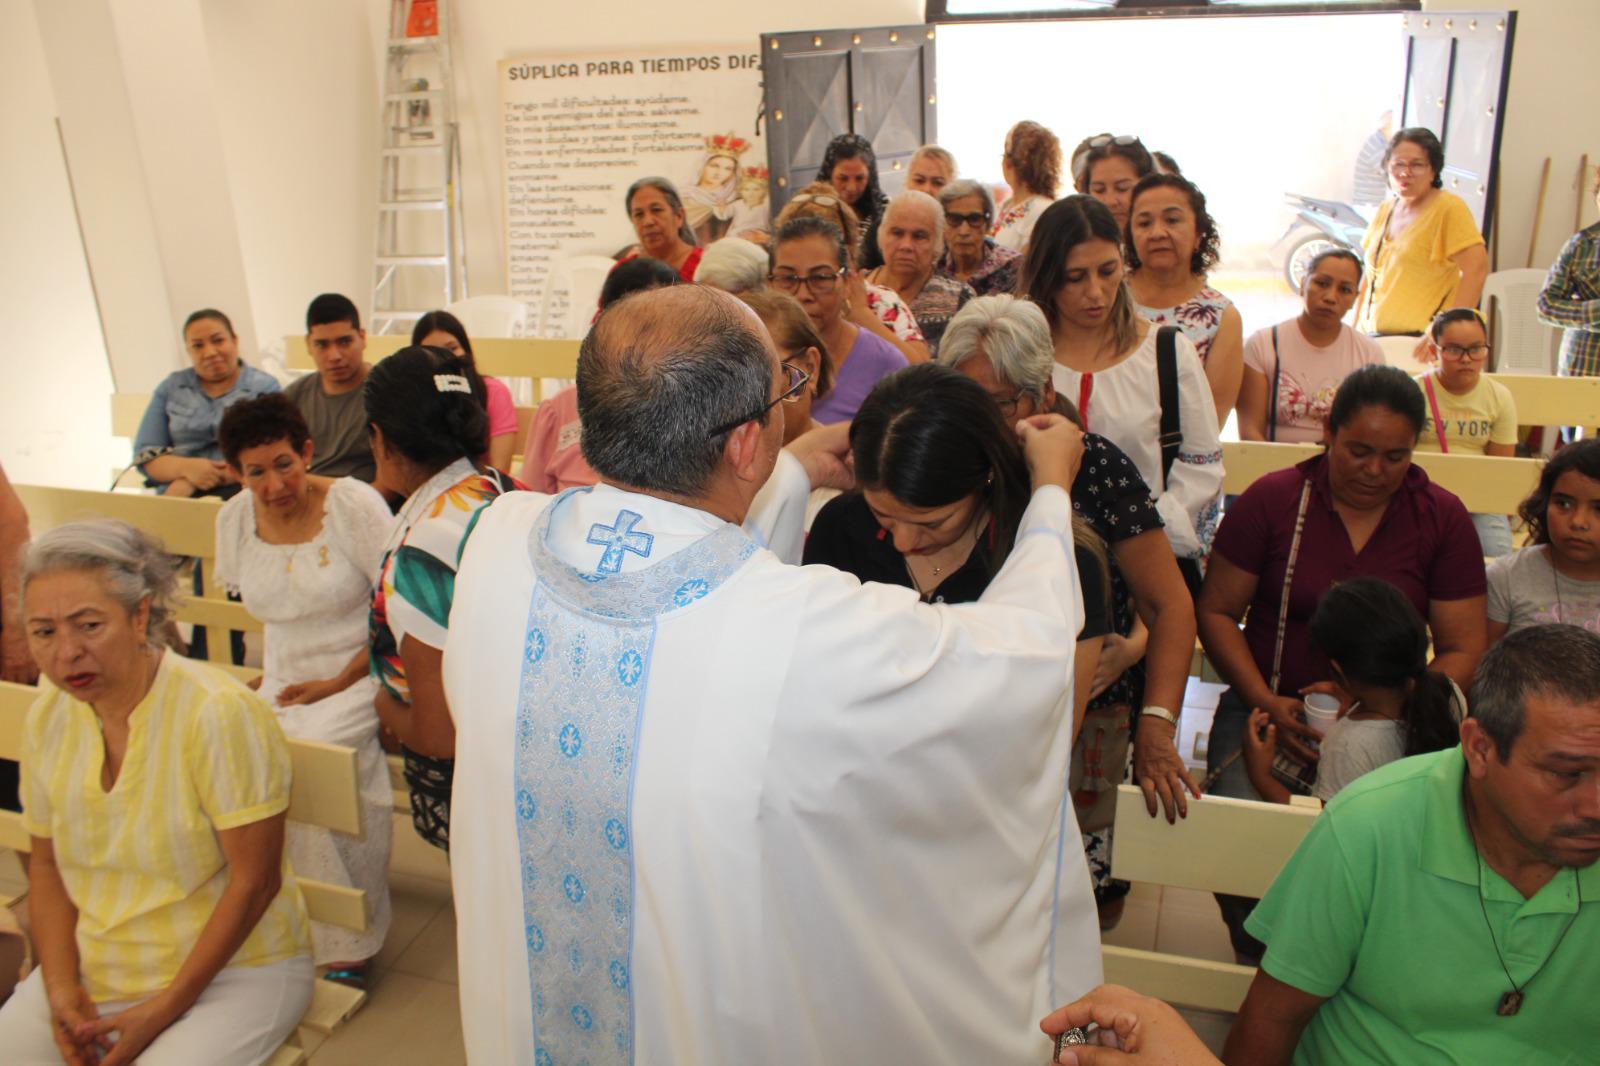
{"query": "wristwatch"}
pixel 1162 713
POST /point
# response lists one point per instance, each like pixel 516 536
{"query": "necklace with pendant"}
pixel 1512 1001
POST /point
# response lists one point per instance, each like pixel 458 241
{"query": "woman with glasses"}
pixel 1424 251
pixel 970 254
pixel 1468 413
pixel 809 262
pixel 1107 167
pixel 1031 165
pixel 800 349
pixel 873 307
pixel 1171 244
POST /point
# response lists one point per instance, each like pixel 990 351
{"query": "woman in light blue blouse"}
pixel 176 446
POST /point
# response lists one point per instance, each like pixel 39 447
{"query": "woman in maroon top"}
pixel 1368 512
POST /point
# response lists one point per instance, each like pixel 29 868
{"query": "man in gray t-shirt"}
pixel 330 399
pixel 1525 590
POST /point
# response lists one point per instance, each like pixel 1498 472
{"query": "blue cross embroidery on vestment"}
pixel 620 538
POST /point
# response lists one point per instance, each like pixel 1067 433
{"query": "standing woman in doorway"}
pixel 851 167
pixel 1171 244
pixel 656 211
pixel 1423 250
pixel 1031 165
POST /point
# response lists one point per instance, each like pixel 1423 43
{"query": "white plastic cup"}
pixel 1322 710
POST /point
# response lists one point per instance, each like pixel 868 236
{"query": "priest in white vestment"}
pixel 714 809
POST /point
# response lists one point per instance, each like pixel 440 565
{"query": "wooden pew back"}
pixel 184 526
pixel 1224 845
pixel 1484 483
pixel 509 357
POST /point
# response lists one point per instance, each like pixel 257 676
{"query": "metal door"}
pixel 1457 67
pixel 875 82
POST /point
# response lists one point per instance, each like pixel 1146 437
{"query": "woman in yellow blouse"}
pixel 168 925
pixel 1423 250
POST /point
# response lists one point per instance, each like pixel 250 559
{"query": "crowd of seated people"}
pixel 1350 575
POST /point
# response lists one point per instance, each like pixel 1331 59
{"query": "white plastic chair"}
pixel 491 316
pixel 1522 344
pixel 580 277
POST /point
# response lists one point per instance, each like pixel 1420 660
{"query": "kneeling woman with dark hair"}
pixel 428 425
pixel 942 487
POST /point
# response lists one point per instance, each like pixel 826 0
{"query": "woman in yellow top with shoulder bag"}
pixel 1424 252
pixel 168 925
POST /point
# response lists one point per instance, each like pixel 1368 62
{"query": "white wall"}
pixel 1549 112
pixel 54 400
pixel 225 150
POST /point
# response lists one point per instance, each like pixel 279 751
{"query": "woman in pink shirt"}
pixel 441 329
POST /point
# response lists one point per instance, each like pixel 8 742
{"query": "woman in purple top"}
pixel 1367 512
pixel 809 263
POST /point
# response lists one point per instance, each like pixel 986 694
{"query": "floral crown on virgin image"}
pixel 727 144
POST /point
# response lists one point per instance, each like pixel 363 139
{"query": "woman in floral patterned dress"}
pixel 1171 243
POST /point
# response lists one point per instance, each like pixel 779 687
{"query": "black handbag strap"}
pixel 1167 378
pixel 1272 400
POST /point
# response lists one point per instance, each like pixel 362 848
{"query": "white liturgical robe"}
pixel 712 809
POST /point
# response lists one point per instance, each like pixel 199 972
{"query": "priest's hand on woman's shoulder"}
pixel 825 454
pixel 1131 1030
pixel 1053 448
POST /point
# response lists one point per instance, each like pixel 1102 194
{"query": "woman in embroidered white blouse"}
pixel 303 552
pixel 1107 363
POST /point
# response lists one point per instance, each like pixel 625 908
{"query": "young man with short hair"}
pixel 330 399
pixel 1444 907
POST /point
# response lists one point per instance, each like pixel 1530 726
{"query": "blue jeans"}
pixel 1494 534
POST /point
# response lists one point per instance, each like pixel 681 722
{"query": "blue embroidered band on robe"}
pixel 585 671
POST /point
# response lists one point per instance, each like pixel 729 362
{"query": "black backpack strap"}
pixel 1167 378
pixel 1272 398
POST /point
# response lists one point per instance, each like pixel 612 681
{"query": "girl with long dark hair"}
pixel 943 486
pixel 1556 576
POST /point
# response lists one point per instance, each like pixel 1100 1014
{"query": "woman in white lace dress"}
pixel 303 552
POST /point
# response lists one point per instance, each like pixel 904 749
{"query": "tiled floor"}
pixel 412 1014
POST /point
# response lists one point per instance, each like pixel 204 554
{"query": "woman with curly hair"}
pixel 1031 165
pixel 851 167
pixel 1171 243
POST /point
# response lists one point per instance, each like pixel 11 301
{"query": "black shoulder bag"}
pixel 1172 431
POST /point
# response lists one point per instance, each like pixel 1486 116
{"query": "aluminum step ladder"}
pixel 420 264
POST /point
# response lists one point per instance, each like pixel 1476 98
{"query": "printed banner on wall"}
pixel 578 130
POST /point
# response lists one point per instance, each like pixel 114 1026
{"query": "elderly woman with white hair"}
pixel 168 924
pixel 733 265
pixel 1003 343
pixel 910 237
pixel 970 254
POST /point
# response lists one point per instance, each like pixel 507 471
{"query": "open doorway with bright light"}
pixel 1253 110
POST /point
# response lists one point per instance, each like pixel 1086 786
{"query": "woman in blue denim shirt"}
pixel 177 442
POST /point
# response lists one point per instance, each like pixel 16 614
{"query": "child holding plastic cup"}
pixel 1377 647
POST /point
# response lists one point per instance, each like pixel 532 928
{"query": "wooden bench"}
pixel 1224 845
pixel 1485 483
pixel 325 792
pixel 184 526
pixel 506 357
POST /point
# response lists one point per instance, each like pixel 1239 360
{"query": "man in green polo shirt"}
pixel 1445 908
